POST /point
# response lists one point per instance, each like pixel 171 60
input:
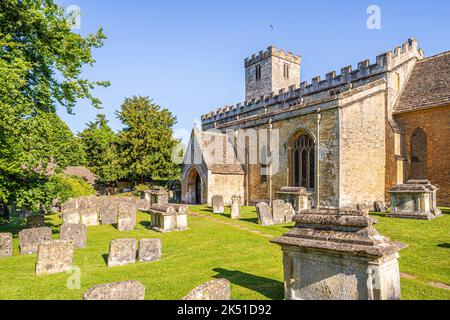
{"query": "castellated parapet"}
pixel 315 92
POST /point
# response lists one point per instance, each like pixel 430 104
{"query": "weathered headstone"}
pixel 126 221
pixel 217 204
pixel 379 206
pixel 289 212
pixel 69 204
pixel 212 290
pixel 30 239
pixel 6 244
pixel 54 257
pixel 71 216
pixel 77 233
pixel 150 250
pixel 235 207
pixel 264 214
pixel 127 290
pixel 122 252
pixel 109 211
pixel 278 211
pixel 142 205
pixel 35 221
pixel 89 217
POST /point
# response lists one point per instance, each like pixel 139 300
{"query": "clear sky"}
pixel 188 55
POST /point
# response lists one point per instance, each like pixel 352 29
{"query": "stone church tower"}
pixel 270 71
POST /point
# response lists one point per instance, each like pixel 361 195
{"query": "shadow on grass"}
pixel 251 220
pixel 145 224
pixel 444 245
pixel 269 288
pixel 105 258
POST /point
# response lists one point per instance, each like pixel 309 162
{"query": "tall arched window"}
pixel 303 162
pixel 419 155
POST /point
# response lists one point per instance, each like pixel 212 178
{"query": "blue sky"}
pixel 188 55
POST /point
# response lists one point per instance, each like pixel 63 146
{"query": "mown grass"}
pixel 211 249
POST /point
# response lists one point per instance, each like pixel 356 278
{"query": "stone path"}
pixel 404 275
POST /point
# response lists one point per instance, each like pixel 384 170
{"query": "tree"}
pixel 146 142
pixel 41 61
pixel 100 145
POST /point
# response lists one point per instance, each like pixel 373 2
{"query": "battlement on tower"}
pixel 272 51
pixel 331 86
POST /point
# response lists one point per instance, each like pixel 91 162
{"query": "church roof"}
pixel 428 85
pixel 205 139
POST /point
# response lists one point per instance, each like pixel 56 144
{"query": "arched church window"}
pixel 419 155
pixel 303 162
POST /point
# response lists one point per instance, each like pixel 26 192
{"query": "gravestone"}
pixel 127 290
pixel 379 206
pixel 142 205
pixel 126 221
pixel 54 257
pixel 235 207
pixel 217 204
pixel 278 211
pixel 77 233
pixel 6 244
pixel 109 212
pixel 36 221
pixel 150 250
pixel 212 290
pixel 289 212
pixel 30 239
pixel 264 214
pixel 69 204
pixel 122 252
pixel 89 217
pixel 71 216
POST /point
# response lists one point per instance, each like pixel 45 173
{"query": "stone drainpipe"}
pixel 319 118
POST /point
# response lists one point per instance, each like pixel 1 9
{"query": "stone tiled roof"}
pixel 81 172
pixel 428 85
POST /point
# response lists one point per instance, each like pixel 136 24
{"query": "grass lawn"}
pixel 214 247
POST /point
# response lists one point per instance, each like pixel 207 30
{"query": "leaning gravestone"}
pixel 71 216
pixel 89 217
pixel 6 244
pixel 127 290
pixel 77 233
pixel 217 203
pixel 212 290
pixel 289 212
pixel 235 207
pixel 122 252
pixel 150 250
pixel 264 214
pixel 278 211
pixel 54 257
pixel 30 239
pixel 35 221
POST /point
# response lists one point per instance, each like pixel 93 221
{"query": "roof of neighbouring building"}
pixel 428 85
pixel 81 172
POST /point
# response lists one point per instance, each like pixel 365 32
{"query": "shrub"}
pixel 140 187
pixel 61 188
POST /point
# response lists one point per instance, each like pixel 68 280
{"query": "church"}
pixel 346 138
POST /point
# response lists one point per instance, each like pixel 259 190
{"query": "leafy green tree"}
pixel 100 145
pixel 41 62
pixel 146 142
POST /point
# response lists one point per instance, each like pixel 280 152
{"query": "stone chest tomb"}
pixel 166 218
pixel 336 254
pixel 414 200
